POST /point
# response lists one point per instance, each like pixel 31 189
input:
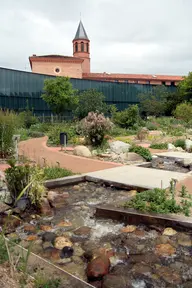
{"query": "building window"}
pixel 82 47
pixel 76 47
pixel 57 70
pixel 87 47
pixel 172 83
pixel 163 83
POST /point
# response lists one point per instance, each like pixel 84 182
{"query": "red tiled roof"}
pixel 146 77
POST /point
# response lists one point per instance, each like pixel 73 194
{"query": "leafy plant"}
pixel 127 118
pixel 94 127
pixel 36 134
pixel 90 101
pixel 184 111
pixel 56 129
pixel 59 94
pixel 56 172
pixel 27 118
pixel 144 152
pixel 159 146
pixel 180 143
pixel 42 282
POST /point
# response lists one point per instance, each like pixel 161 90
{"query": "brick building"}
pixel 78 65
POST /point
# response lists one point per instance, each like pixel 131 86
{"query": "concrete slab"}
pixel 174 155
pixel 136 177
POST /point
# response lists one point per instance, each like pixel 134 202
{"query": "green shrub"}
pixel 27 118
pixel 94 127
pixel 127 118
pixel 19 177
pixel 180 143
pixel 36 134
pixel 184 112
pixel 9 123
pixel 144 152
pixel 56 129
pixel 56 172
pixel 24 134
pixel 151 126
pixel 159 146
pixel 119 131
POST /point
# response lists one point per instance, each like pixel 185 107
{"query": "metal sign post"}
pixel 63 140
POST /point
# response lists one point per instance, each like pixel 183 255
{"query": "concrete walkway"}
pixel 37 150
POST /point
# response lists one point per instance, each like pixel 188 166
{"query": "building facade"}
pixel 78 66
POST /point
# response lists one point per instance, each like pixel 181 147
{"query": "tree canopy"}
pixel 185 87
pixel 59 94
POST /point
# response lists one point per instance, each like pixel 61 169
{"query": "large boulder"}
pixel 98 268
pixel 119 147
pixel 56 199
pixel 83 151
pixel 171 147
pixel 131 156
pixel 188 144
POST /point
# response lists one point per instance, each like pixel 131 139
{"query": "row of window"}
pixel 84 47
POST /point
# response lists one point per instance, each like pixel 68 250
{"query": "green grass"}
pixel 159 146
pixel 40 282
pixel 56 172
pixel 3 251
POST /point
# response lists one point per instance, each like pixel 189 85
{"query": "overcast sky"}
pixel 127 36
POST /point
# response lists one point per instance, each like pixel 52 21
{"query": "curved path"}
pixel 37 150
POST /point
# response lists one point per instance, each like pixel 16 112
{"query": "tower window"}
pixel 87 47
pixel 57 70
pixel 76 47
pixel 82 47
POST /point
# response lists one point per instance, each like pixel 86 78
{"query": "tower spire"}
pixel 81 33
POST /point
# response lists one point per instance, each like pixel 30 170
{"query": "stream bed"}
pixel 105 253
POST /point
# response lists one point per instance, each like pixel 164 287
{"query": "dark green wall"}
pixel 19 87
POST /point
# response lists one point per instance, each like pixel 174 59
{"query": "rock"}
pixel 77 260
pixel 9 222
pixel 114 281
pixel 49 237
pixel 3 207
pixel 64 224
pixel 61 241
pixel 185 240
pixel 52 253
pixel 188 144
pixel 128 229
pixel 179 149
pixel 169 275
pixel 77 187
pixel 23 204
pixel 76 270
pixel 141 269
pixel 131 156
pixel 81 150
pixel 119 147
pixel 83 232
pixel 29 228
pixel 32 238
pixel 45 208
pixel 98 268
pixel 187 162
pixel 45 228
pixel 140 233
pixel 67 252
pixel 171 147
pixel 57 200
pixel 165 250
pixel 169 232
pixel 78 251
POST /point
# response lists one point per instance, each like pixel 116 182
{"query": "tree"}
pixel 90 101
pixel 59 94
pixel 153 102
pixel 184 112
pixel 185 87
pixel 127 118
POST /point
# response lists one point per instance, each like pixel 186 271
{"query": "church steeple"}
pixel 81 33
pixel 81 47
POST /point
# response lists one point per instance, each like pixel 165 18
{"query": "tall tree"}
pixel 59 94
pixel 90 101
pixel 185 88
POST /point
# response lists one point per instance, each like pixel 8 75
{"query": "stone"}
pixel 187 162
pixel 131 156
pixel 171 147
pixel 82 150
pixel 77 187
pixel 67 252
pixel 52 253
pixel 128 229
pixel 98 268
pixel 78 251
pixel 29 228
pixel 45 208
pixel 188 144
pixel 23 204
pixel 179 149
pixel 169 275
pixel 45 228
pixel 61 241
pixel 3 207
pixel 140 233
pixel 57 200
pixel 9 222
pixel 119 147
pixel 169 232
pixel 185 240
pixel 49 237
pixel 76 270
pixel 77 260
pixel 32 238
pixel 83 231
pixel 64 224
pixel 165 250
pixel 141 269
pixel 115 281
